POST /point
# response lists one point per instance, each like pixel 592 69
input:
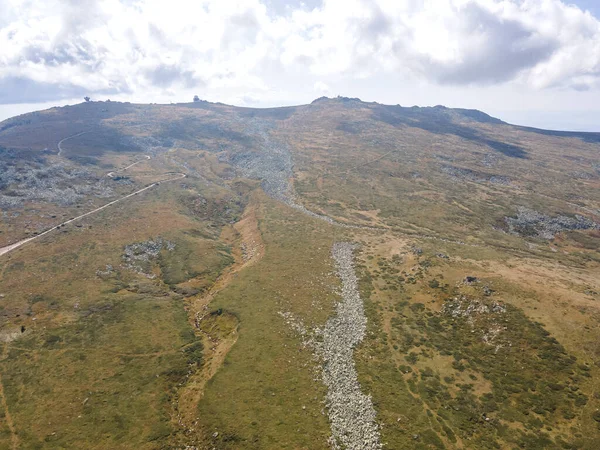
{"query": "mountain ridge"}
pixel 435 112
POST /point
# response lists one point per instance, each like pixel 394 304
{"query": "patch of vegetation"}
pixel 121 364
pixel 530 379
pixel 268 366
pixel 185 263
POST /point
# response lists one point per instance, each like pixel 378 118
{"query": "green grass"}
pixel 105 380
pixel 120 340
pixel 269 374
pixel 535 392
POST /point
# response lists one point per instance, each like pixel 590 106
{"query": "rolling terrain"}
pixel 341 274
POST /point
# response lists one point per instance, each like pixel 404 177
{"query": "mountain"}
pixel 341 274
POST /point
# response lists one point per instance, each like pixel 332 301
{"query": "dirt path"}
pixel 248 249
pixel 11 247
pixel 60 149
pixel 14 438
pixel 378 158
pixel 112 174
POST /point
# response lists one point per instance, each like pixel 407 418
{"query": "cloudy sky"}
pixel 534 62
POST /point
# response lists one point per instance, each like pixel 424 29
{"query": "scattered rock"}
pixel 532 223
pixel 465 307
pixel 56 183
pixel 137 256
pixel 461 173
pixel 351 412
pixel 416 250
pixel 106 272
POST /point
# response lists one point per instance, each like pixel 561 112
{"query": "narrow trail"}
pixel 11 247
pixel 380 229
pixel 387 229
pixel 371 161
pixel 572 205
pixel 112 174
pixel 14 438
pixel 60 149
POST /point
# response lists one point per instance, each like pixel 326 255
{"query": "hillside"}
pixel 341 274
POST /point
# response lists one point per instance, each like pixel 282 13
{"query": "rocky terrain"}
pixel 139 255
pixel 272 164
pixel 532 223
pixel 476 176
pixel 351 412
pixel 59 184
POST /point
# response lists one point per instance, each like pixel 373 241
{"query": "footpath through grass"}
pixel 266 394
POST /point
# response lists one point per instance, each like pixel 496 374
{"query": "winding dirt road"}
pixel 60 149
pixel 112 174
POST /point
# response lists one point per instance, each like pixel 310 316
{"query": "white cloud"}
pixel 241 49
pixel 321 87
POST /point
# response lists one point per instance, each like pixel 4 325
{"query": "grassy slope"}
pixel 266 396
pixel 435 381
pixel 391 177
pixel 394 160
pixel 116 341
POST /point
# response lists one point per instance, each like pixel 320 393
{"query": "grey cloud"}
pixel 157 35
pixel 14 90
pixel 371 29
pixel 6 14
pixel 282 8
pixel 376 25
pixel 510 48
pixel 79 16
pixel 165 76
pixel 246 19
pixel 160 38
pixel 77 51
pixel 581 87
pixel 241 29
pixel 304 60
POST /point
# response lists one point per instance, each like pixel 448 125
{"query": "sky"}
pixel 530 62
